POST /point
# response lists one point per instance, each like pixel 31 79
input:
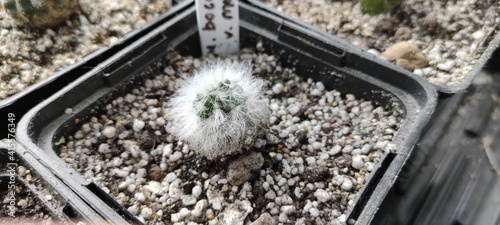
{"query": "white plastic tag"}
pixel 218 26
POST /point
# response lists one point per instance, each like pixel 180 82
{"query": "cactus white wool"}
pixel 220 109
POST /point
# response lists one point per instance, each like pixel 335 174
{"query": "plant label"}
pixel 218 26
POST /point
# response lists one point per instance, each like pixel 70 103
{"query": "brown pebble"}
pixel 403 33
pixel 154 173
pixel 210 216
pixel 430 25
pixel 264 219
pixel 315 173
pixel 244 168
pixel 405 55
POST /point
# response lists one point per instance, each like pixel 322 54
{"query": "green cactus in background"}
pixel 40 13
pixel 378 6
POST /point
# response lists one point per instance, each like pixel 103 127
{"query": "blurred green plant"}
pixel 40 13
pixel 375 7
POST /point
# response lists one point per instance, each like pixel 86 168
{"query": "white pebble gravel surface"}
pixel 28 56
pixel 316 151
pixel 449 33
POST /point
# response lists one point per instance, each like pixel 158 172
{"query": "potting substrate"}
pixel 318 152
pixel 441 41
pixel 31 55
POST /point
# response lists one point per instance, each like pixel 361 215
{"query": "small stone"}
pixel 322 195
pixel 22 171
pixel 79 135
pixel 347 149
pixel 22 203
pixel 146 213
pixel 293 109
pixel 235 213
pixel 167 150
pixel 403 33
pixel 199 208
pixel 188 200
pixel 184 212
pixel 277 88
pixel 335 150
pixel 271 195
pixel 264 219
pixel 134 209
pixel 478 35
pixel 244 168
pixel 176 156
pixel 103 148
pixel 196 191
pixel 372 51
pixel 210 214
pixel 315 92
pixel 217 202
pixel 138 125
pixel 170 177
pixel 446 66
pixel 288 209
pixel 109 131
pixel 175 217
pixel 121 173
pixel 132 147
pixel 357 162
pixel 430 24
pixel 347 185
pixel 315 173
pixel 154 173
pixel 405 55
pixel 48 197
pixel 154 187
pixel 68 111
pixel 140 197
pixel 314 212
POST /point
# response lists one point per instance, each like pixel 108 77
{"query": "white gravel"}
pixel 30 56
pixel 311 171
pixel 449 33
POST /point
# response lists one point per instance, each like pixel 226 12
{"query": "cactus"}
pixel 378 6
pixel 40 13
pixel 220 110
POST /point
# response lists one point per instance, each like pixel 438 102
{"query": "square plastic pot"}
pixel 452 175
pixel 21 102
pixel 298 46
pixel 484 52
pixel 49 194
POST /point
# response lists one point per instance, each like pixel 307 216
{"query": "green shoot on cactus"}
pixel 378 6
pixel 224 97
pixel 40 13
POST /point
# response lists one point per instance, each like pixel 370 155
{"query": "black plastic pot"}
pixel 21 102
pixel 453 176
pixel 485 51
pixel 64 205
pixel 297 45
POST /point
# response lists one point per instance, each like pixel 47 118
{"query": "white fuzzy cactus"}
pixel 220 110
